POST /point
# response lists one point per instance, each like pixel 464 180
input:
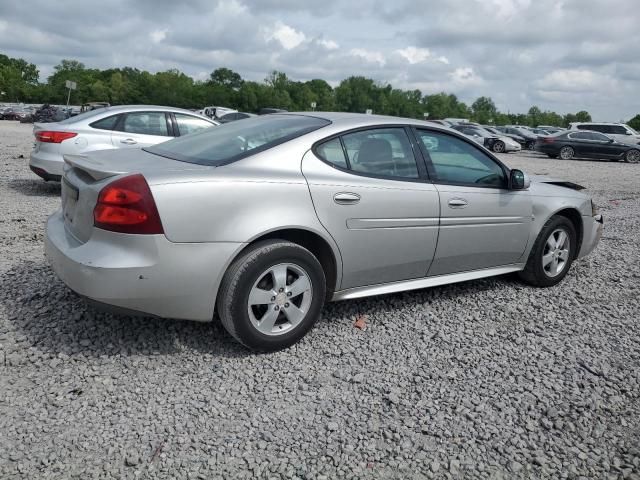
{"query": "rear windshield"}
pixel 85 115
pixel 235 140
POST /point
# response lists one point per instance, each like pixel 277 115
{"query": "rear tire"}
pixel 567 153
pixel 552 253
pixel 258 301
pixel 632 156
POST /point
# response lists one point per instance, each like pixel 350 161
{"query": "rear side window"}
pixel 332 152
pixel 383 152
pixel 189 124
pixel 237 140
pixel 146 123
pixel 108 123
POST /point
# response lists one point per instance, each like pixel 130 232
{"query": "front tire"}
pixel 271 295
pixel 531 145
pixel 552 253
pixel 632 156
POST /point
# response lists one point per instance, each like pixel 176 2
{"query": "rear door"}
pixel 482 223
pixel 370 191
pixel 141 129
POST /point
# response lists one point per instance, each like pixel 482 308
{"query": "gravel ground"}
pixel 486 379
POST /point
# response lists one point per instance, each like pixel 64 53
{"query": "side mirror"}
pixel 518 180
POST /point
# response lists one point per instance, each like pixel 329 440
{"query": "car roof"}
pixel 346 119
pixel 599 123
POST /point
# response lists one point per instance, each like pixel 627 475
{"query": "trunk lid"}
pixel 86 175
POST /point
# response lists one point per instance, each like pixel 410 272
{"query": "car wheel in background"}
pixel 567 153
pixel 552 253
pixel 498 147
pixel 551 155
pixel 271 295
pixel 531 145
pixel 632 156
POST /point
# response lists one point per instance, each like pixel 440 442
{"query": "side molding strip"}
pixel 416 284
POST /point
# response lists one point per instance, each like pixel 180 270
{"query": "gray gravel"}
pixel 487 379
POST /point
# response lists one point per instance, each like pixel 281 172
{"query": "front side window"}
pixel 599 137
pixel 237 140
pixel 385 152
pixel 618 130
pixel 454 161
pixel 189 124
pixel 146 123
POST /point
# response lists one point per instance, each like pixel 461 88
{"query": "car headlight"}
pixel 594 209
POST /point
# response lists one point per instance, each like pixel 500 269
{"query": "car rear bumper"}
pixel 51 163
pixel 142 273
pixel 593 226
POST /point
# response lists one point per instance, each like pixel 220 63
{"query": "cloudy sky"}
pixel 562 55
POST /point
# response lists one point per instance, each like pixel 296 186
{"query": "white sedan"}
pixel 131 126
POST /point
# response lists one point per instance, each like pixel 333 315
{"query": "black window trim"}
pixel 431 169
pixel 423 176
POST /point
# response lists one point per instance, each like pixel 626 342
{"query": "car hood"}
pixel 556 181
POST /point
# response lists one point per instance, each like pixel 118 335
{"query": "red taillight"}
pixel 46 136
pixel 127 206
pixel 548 139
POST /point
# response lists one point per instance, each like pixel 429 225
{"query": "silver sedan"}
pixel 129 126
pixel 264 220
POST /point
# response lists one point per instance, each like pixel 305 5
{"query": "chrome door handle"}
pixel 458 203
pixel 346 198
pixel 128 141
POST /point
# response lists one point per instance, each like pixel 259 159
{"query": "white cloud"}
pixel 288 36
pixel 443 59
pixel 574 80
pixel 329 44
pixel 369 55
pixel 465 76
pixel 414 55
pixel 158 36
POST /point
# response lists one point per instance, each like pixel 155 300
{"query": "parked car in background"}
pixel 216 112
pixel 232 117
pixel 87 107
pixel 497 142
pixel 265 219
pixel 131 126
pixel 269 110
pixel 586 144
pixel 523 132
pixel 445 123
pixel 540 131
pixel 551 129
pixel 471 131
pixel 15 113
pixel 517 138
pixel 620 131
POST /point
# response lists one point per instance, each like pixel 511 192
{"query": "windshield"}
pixel 235 140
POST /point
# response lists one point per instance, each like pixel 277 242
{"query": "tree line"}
pixel 19 82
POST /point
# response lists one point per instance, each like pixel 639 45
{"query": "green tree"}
pixel 635 123
pixel 484 110
pixel 226 78
pixel 583 116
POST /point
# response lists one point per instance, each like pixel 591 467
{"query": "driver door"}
pixel 482 223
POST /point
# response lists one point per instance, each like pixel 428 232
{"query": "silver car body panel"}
pixel 400 235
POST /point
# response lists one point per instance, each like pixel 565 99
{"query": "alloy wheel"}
pixel 556 253
pixel 280 299
pixel 566 153
pixel 498 147
pixel 633 156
